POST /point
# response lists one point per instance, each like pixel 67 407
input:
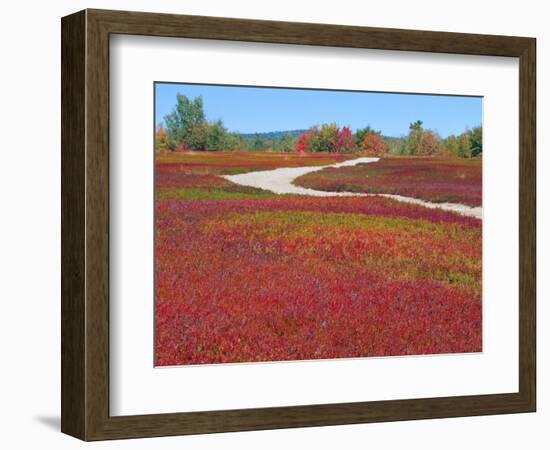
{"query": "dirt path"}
pixel 280 181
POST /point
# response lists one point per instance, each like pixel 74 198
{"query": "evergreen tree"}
pixel 476 141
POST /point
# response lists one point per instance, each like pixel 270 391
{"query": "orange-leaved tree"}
pixel 429 145
pixel 161 139
pixel 373 145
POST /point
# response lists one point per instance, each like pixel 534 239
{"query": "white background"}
pixel 139 388
pixel 30 234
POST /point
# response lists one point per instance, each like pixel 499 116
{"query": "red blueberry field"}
pixel 243 274
pixel 435 179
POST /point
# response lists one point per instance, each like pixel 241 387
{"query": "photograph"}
pixel 307 224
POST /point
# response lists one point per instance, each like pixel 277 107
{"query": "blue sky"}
pixel 256 110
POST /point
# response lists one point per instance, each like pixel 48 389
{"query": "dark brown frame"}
pixel 85 224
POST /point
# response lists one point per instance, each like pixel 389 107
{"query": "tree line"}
pixel 423 142
pixel 188 129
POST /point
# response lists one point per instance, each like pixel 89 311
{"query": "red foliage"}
pixel 302 143
pixel 343 141
pixel 229 291
pixel 435 179
pixel 307 277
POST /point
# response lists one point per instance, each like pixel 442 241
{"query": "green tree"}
pixel 287 143
pixel 197 137
pixel 414 139
pixel 394 144
pixel 257 143
pixel 476 141
pixel 216 136
pixel 323 139
pixel 187 117
pixel 464 150
pixel 452 146
pixel 417 126
pixel 234 141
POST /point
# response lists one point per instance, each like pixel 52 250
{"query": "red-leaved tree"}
pixel 302 144
pixel 344 141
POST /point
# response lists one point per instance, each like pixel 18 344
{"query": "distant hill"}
pixel 272 140
pixel 273 134
pixel 294 134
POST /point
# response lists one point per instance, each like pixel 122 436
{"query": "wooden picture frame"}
pixel 85 224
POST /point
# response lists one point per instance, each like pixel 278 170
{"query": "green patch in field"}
pixel 239 170
pixel 313 220
pixel 462 278
pixel 305 223
pixel 221 193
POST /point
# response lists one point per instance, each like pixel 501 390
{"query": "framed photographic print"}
pixel 271 225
